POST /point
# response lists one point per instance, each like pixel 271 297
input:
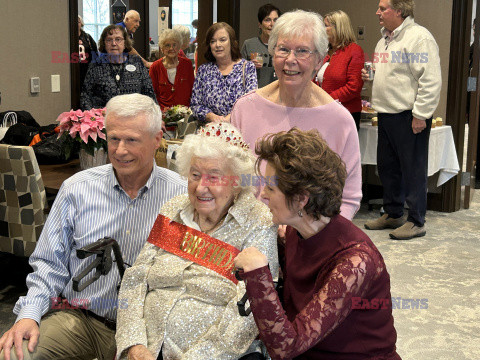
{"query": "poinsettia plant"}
pixel 175 113
pixel 86 127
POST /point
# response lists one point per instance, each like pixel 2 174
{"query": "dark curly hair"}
pixel 234 49
pixel 109 31
pixel 305 165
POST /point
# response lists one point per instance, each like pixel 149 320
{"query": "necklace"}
pixel 117 74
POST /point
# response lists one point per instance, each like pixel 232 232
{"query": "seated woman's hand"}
pixel 139 352
pixel 250 259
pixel 212 117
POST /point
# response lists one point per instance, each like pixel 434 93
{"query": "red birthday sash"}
pixel 194 245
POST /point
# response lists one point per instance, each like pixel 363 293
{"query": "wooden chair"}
pixel 22 200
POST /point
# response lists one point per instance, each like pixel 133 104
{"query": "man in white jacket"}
pixel 406 91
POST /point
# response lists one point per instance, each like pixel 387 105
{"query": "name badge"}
pixel 130 67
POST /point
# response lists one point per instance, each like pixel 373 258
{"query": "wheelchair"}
pixel 103 264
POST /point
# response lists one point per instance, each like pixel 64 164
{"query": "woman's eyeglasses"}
pixel 117 40
pixel 300 53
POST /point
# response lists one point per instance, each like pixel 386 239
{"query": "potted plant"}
pixel 87 128
pixel 178 112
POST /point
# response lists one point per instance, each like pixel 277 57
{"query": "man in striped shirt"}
pixel 120 200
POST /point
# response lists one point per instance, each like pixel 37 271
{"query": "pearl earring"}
pixel 300 213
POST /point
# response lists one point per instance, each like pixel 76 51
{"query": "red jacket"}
pixel 169 94
pixel 343 78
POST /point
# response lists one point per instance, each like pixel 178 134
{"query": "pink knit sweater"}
pixel 256 116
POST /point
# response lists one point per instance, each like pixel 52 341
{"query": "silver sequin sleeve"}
pixel 185 309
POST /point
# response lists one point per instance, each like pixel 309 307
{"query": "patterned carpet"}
pixel 441 270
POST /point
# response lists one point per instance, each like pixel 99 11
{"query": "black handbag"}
pixel 19 134
pixel 52 150
pixel 22 117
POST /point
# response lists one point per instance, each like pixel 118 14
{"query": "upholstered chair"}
pixel 22 200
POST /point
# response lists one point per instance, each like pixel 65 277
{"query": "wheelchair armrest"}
pixel 102 264
pixel 243 301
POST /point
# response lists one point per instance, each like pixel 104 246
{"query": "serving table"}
pixel 442 156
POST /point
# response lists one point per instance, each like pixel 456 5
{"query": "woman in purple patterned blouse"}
pixel 226 77
pixel 337 301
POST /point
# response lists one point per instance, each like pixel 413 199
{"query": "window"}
pixel 184 12
pixel 96 16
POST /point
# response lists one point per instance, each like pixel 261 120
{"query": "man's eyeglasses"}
pixel 117 40
pixel 300 53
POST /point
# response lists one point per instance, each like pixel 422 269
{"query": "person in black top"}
pixel 114 72
pixel 87 50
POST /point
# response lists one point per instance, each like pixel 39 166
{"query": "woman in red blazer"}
pixel 172 75
pixel 340 75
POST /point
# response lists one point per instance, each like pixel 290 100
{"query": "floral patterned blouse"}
pixel 214 92
pixel 337 301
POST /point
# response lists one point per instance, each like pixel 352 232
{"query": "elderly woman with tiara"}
pixel 181 292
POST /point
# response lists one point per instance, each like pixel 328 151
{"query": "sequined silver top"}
pixel 185 309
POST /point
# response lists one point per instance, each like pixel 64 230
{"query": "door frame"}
pixel 448 200
pixel 74 67
pixel 473 121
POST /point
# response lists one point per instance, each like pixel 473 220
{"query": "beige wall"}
pixel 31 30
pixel 435 15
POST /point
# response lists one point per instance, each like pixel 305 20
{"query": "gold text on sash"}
pixel 200 248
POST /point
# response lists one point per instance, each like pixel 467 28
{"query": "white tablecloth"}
pixel 442 155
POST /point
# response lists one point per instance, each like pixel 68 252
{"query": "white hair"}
pixel 299 23
pixel 132 105
pixel 183 31
pixel 241 162
pixel 169 34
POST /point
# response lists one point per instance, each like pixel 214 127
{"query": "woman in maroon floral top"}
pixel 337 302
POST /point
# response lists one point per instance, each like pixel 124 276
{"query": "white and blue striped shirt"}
pixel 89 206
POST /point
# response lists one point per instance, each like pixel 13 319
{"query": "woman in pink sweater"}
pixel 298 43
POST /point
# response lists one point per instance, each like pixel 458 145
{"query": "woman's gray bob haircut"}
pixel 241 162
pixel 170 34
pixel 299 23
pixel 132 105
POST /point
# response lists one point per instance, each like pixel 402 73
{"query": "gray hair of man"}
pixel 133 105
pixel 184 33
pixel 405 6
pixel 300 23
pixel 167 35
pixel 81 21
pixel 239 161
